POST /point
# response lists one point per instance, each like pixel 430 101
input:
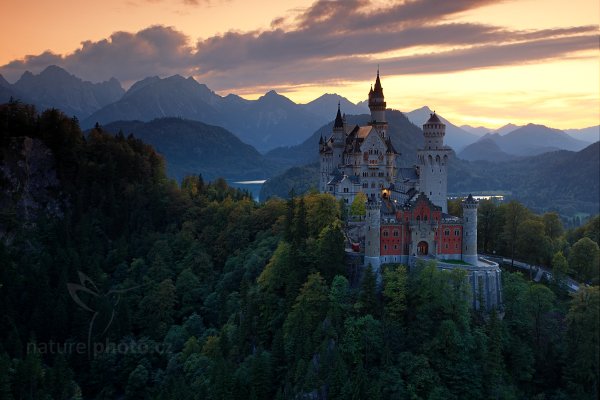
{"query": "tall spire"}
pixel 339 121
pixel 378 88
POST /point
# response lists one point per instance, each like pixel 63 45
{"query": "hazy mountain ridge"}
pixel 324 104
pixel 485 149
pixel 153 97
pixel 270 121
pixel 590 134
pixel 56 88
pixel 527 140
pixel 476 130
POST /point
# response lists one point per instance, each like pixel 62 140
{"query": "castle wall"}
pixel 450 239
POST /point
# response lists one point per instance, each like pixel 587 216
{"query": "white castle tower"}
pixel 372 234
pixel 339 139
pixel 433 163
pixel 469 240
pixel 377 106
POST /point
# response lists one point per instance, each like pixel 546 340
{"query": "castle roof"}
pixel 470 200
pixel 422 197
pixel 339 121
pixel 433 119
pixel 390 146
pixel 378 88
pixel 356 136
pixel 407 174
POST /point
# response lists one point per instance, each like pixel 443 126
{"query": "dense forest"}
pixel 116 282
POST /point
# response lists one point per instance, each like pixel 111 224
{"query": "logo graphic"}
pixel 102 306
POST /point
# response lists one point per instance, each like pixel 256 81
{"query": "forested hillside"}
pixel 192 148
pixel 565 181
pixel 116 282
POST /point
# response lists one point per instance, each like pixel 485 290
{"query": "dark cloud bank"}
pixel 327 42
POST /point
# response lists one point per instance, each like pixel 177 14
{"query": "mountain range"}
pixel 270 121
pixel 56 88
pixel 267 123
pixel 482 130
pixel 590 134
pixel 527 140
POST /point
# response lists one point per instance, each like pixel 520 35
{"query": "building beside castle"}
pixel 407 209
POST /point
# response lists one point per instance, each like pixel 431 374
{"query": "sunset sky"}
pixel 479 62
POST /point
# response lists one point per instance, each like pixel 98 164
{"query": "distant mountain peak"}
pixel 178 77
pixel 55 87
pixel 272 95
pixel 55 69
pixel 424 108
pixel 326 106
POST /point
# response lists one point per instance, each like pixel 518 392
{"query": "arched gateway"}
pixel 423 248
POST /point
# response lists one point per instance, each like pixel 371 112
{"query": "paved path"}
pixel 540 271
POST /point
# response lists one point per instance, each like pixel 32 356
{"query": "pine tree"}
pixel 367 299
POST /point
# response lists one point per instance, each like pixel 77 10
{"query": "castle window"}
pixel 385 246
pixel 396 233
pixel 385 233
pixel 457 232
pixel 395 247
pixel 447 232
pixel 345 190
pixel 446 245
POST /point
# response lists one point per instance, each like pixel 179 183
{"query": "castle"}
pixel 406 209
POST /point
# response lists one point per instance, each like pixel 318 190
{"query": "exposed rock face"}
pixel 29 185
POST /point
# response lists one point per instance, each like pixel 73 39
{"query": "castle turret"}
pixel 469 240
pixel 433 163
pixel 339 139
pixel 372 234
pixel 377 106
